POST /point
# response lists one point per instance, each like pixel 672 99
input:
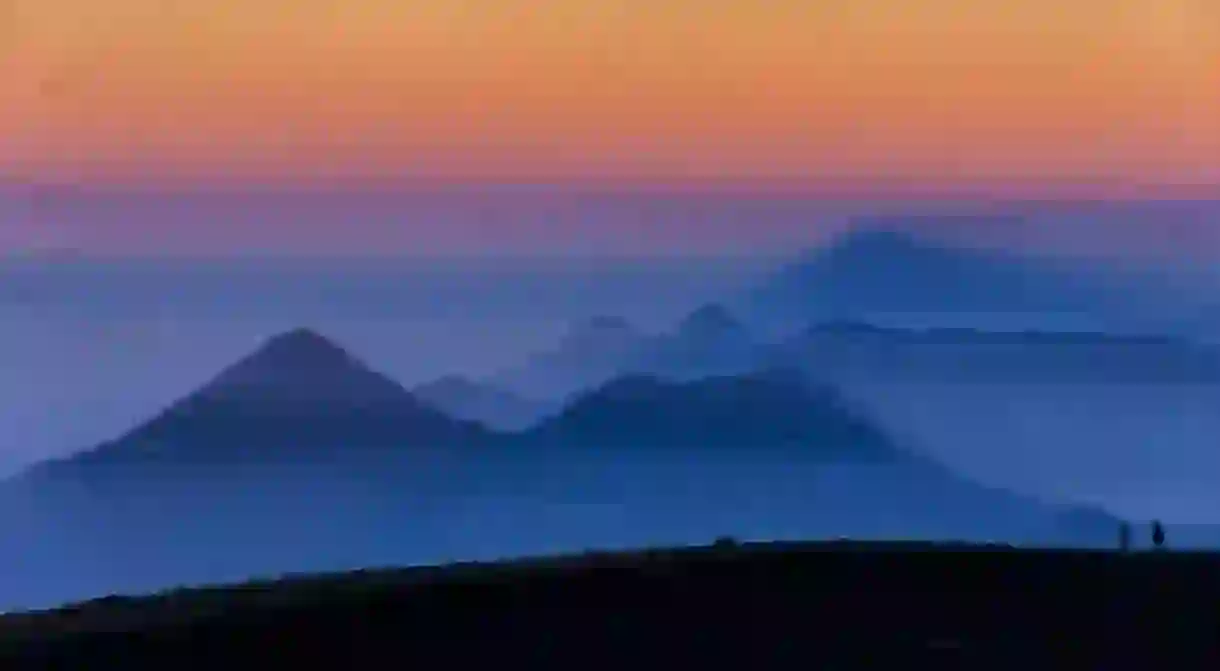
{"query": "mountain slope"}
pixel 789 455
pixel 487 404
pixel 296 394
pixel 874 272
pixel 707 341
pixel 767 409
pixel 760 456
pixel 589 353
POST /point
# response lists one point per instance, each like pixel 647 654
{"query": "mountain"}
pixel 708 341
pixel 875 274
pixel 773 441
pixel 712 323
pixel 862 351
pixel 636 461
pixel 296 395
pixel 590 352
pixel 487 404
pixel 773 409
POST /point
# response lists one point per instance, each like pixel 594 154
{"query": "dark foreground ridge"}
pixel 799 606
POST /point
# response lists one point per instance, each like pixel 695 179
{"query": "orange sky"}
pixel 1007 94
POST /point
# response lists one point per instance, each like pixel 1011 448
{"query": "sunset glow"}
pixel 948 95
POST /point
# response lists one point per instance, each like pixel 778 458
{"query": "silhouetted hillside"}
pixel 781 606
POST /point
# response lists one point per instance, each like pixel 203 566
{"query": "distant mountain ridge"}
pixel 492 406
pixel 899 290
pixel 709 340
pixel 300 457
pixel 972 336
pixel 711 321
pixel 590 351
pixel 712 341
pixel 255 414
pixel 769 409
pixel 298 392
pixel 864 350
pixel 878 272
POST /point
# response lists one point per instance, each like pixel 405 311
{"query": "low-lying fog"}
pixel 155 530
pixel 1143 451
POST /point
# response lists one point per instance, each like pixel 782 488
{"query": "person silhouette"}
pixel 1124 537
pixel 1158 534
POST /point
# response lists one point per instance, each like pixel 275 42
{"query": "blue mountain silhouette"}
pixel 769 409
pixel 482 402
pixel 870 273
pixel 296 394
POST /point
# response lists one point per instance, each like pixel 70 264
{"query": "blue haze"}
pixel 91 349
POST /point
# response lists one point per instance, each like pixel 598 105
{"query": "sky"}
pixel 867 99
pixel 518 128
pixel 1099 94
pixel 708 130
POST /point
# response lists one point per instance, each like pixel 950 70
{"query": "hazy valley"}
pixel 662 420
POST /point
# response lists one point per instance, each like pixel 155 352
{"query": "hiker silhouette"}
pixel 1158 534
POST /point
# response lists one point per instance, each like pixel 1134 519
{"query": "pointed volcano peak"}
pixel 298 391
pixel 300 346
pixel 301 363
pixel 299 353
pixel 300 336
pixel 710 319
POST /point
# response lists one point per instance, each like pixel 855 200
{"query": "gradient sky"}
pixel 948 93
pixel 1112 99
